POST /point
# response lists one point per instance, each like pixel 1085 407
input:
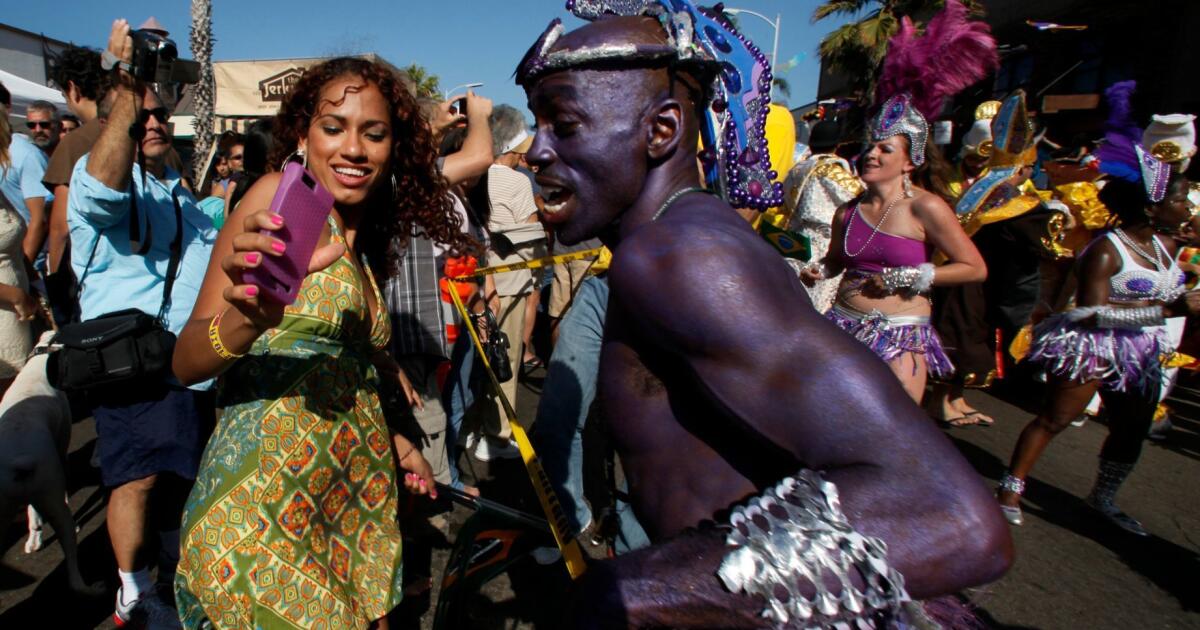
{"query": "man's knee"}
pixel 1053 423
pixel 141 486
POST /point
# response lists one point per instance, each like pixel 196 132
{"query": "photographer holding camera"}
pixel 138 241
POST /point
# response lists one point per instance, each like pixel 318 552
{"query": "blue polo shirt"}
pixel 23 178
pixel 118 277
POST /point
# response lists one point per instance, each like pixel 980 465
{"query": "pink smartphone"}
pixel 304 205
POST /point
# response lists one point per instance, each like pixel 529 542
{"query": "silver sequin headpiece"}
pixel 735 157
pixel 898 116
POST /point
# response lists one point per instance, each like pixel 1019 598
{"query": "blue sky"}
pixel 461 41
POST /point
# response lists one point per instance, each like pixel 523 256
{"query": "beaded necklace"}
pixel 846 236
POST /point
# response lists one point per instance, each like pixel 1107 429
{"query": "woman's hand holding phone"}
pixel 249 249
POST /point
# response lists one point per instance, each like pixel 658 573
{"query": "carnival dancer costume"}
pixel 1011 228
pixel 813 191
pixel 976 147
pixel 1125 346
pixel 796 529
pixel 919 72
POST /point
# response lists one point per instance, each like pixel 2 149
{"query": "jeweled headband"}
pixel 899 117
pixel 735 157
pixel 1156 174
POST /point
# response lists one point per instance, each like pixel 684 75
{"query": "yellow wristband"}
pixel 214 337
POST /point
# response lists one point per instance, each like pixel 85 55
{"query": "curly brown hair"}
pixel 423 205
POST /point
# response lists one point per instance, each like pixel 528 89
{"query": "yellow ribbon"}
pixel 567 545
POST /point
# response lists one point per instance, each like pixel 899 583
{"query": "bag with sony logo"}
pixel 112 349
pixel 121 347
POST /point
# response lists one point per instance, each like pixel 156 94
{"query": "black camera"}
pixel 156 60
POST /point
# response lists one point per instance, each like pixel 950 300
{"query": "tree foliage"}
pixel 426 84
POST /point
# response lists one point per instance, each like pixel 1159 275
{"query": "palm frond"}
pixel 839 7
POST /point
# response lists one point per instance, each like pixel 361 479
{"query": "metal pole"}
pixel 775 46
pixel 446 95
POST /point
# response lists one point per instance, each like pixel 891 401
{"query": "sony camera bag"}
pixel 124 346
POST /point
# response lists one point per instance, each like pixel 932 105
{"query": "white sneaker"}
pixel 149 611
pixel 489 449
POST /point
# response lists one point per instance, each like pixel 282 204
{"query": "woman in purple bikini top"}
pixel 883 251
pixel 883 295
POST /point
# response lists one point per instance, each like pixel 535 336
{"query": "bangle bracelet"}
pixel 214 338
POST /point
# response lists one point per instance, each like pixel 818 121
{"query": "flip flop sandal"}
pixel 956 421
pixel 981 419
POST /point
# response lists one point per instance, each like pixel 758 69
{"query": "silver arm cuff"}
pixel 914 280
pixel 1129 318
pixel 795 533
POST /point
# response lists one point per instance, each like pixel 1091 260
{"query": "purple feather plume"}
pixel 1117 156
pixel 954 52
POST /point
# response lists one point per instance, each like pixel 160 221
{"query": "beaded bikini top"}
pixel 1135 283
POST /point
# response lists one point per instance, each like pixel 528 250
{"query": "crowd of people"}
pixel 267 457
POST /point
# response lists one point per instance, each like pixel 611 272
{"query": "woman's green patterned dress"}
pixel 292 522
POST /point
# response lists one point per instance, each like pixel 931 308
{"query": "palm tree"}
pixel 204 91
pixel 426 84
pixel 856 49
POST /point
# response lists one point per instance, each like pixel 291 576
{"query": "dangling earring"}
pixel 298 153
pixel 395 189
pixel 908 193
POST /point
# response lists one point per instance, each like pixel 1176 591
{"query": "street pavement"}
pixel 1071 570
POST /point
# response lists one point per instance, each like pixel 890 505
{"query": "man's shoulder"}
pixel 704 231
pixel 25 154
pixel 76 145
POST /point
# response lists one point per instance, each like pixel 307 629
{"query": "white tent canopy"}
pixel 25 92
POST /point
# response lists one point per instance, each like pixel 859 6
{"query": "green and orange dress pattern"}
pixel 292 521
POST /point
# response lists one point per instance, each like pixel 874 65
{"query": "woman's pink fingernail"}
pixel 276 219
pixel 252 259
pixel 422 482
pixel 278 247
pixel 251 291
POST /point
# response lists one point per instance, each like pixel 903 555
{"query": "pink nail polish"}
pixel 276 219
pixel 278 247
pixel 251 291
pixel 252 258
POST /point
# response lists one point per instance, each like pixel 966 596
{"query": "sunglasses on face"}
pixel 38 124
pixel 159 113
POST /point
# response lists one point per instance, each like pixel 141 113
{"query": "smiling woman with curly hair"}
pixel 297 489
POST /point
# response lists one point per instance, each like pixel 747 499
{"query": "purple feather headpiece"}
pixel 920 71
pixel 1122 156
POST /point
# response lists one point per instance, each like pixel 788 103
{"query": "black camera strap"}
pixel 172 264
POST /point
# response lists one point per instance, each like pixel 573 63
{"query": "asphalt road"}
pixel 1071 570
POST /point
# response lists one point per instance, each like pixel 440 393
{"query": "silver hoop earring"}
pixel 298 153
pixel 908 186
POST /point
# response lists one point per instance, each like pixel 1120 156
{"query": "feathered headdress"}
pixel 920 71
pixel 1122 156
pixel 735 157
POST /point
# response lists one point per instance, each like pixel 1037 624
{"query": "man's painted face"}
pixel 589 152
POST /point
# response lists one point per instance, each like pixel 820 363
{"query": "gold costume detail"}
pixel 1083 198
pixel 1167 151
pixel 987 110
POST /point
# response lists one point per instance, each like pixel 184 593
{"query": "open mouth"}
pixel 557 202
pixel 351 176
